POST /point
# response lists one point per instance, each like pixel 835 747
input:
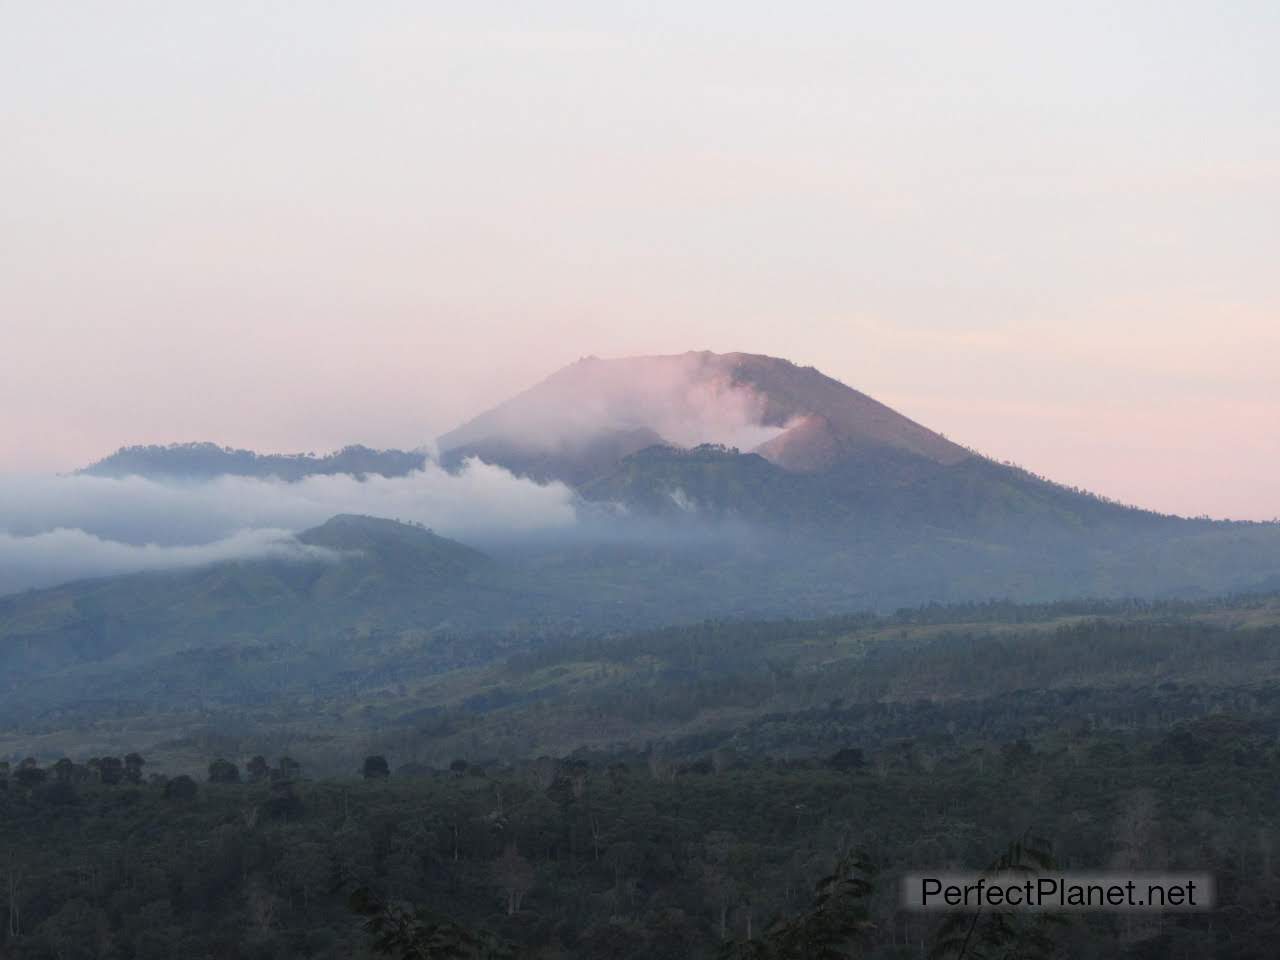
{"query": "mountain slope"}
pixel 356 577
pixel 828 421
pixel 890 491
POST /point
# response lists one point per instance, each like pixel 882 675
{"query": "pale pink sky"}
pixel 1050 234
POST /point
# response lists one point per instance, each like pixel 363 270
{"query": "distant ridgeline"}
pixel 205 460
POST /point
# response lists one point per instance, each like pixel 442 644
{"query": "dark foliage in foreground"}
pixel 597 857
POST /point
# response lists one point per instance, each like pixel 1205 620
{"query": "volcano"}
pixel 759 438
pixel 581 421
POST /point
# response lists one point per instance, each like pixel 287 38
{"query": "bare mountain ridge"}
pixel 796 417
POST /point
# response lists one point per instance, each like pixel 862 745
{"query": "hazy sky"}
pixel 1048 230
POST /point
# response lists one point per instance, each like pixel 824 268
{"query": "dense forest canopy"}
pixel 679 792
pixel 636 855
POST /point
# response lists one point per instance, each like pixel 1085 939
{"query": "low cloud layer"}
pixel 54 529
pixel 63 554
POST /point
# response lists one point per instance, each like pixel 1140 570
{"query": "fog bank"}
pixel 59 528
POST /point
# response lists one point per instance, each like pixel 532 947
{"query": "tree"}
pixel 290 769
pixel 578 773
pixel 829 930
pixel 30 776
pixel 545 770
pixel 1018 756
pixel 618 774
pixel 63 769
pixel 417 935
pixel 110 770
pixel 258 769
pixel 375 768
pixel 514 875
pixel 181 788
pixel 284 803
pixel 133 764
pixel 723 759
pixel 306 867
pixel 1001 934
pixel 850 758
pixel 720 889
pixel 660 768
pixel 15 873
pixel 261 904
pixel 72 931
pixel 223 771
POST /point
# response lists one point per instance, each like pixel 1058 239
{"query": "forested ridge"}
pixel 638 855
pixel 207 460
pixel 704 783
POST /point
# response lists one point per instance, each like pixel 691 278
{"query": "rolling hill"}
pixel 360 583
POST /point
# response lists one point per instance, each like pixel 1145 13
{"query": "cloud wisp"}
pixel 61 555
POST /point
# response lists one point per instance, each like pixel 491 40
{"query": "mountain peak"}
pixel 795 416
